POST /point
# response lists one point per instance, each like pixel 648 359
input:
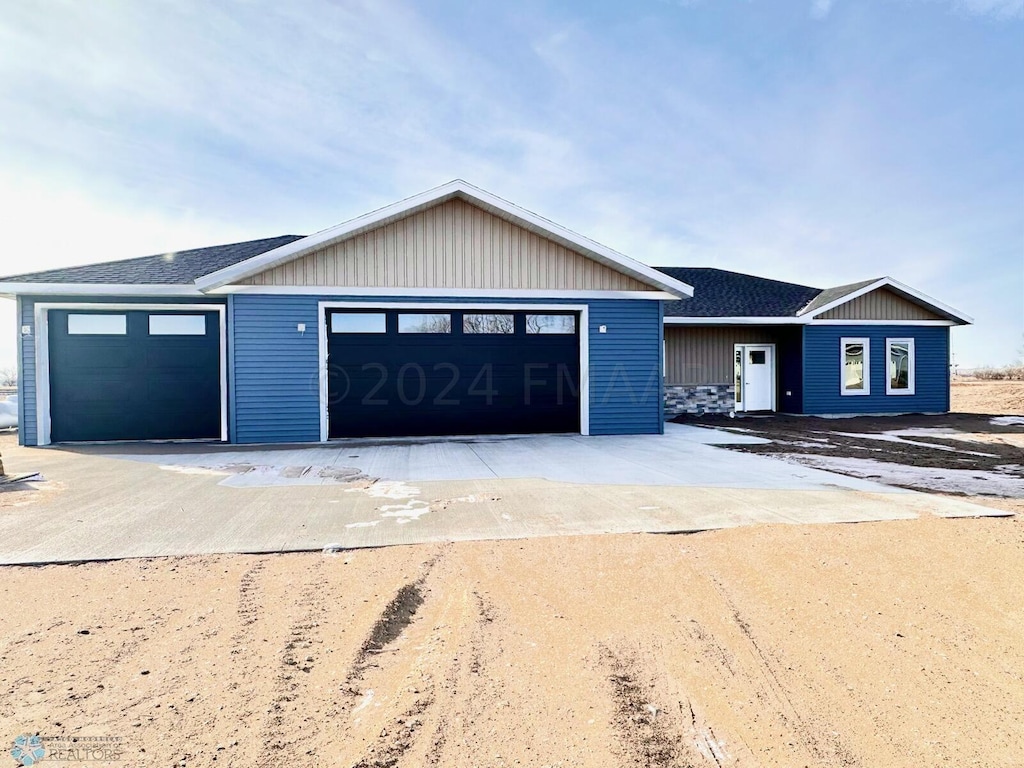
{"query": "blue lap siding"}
pixel 821 355
pixel 274 371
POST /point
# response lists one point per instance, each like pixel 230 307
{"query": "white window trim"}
pixel 912 366
pixel 866 343
pixel 584 335
pixel 42 354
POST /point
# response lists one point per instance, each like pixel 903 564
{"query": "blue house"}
pixel 451 312
pixel 749 344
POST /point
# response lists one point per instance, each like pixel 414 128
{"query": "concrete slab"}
pixel 102 502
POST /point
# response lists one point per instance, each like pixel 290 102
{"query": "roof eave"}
pixel 735 320
pixel 955 315
pixel 11 290
pixel 411 205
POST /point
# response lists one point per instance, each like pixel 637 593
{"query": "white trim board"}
pixel 441 293
pixel 798 321
pixel 461 189
pixel 42 353
pixel 97 289
pixel 900 288
pixel 584 335
pixel 734 321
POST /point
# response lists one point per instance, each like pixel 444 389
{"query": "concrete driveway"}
pixel 116 501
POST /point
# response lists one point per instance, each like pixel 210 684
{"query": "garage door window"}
pixel 550 324
pixel 425 323
pixel 497 323
pixel 97 325
pixel 359 322
pixel 177 325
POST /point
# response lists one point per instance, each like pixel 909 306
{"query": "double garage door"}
pixel 448 372
pixel 134 375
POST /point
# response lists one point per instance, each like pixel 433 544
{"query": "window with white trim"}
pixel 855 366
pixel 899 357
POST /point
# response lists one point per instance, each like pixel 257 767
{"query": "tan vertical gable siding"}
pixel 704 355
pixel 451 245
pixel 880 304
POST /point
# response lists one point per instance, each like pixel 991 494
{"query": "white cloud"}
pixel 821 8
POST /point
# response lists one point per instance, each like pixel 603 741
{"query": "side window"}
pixel 899 355
pixel 855 366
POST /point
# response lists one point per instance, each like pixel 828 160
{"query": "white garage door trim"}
pixel 583 309
pixel 42 354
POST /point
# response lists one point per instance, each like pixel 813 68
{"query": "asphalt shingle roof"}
pixel 832 294
pixel 180 268
pixel 717 292
pixel 720 293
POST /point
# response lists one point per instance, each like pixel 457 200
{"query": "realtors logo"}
pixel 28 750
pixel 31 750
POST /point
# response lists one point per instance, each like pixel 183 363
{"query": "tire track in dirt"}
pixel 647 734
pixel 400 732
pixel 823 743
pixel 284 731
pixel 464 682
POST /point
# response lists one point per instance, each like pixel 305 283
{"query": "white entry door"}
pixel 758 377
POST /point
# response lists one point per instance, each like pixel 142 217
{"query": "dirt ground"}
pixel 882 644
pixel 877 644
pixel 976 451
pixel 969 395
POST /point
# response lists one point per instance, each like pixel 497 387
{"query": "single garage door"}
pixel 447 372
pixel 134 375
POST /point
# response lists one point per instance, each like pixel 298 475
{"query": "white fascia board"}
pixel 471 293
pixel 945 323
pixel 457 188
pixel 735 321
pixel 896 285
pixel 97 289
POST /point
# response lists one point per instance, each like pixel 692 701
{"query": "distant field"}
pixel 994 397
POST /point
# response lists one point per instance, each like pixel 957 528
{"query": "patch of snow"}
pixel 405 513
pixel 1007 421
pixel 968 481
pixel 364 524
pixel 184 470
pixel 893 437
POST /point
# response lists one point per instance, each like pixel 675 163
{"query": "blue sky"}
pixel 820 142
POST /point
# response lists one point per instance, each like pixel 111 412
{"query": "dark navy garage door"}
pixel 134 375
pixel 446 372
